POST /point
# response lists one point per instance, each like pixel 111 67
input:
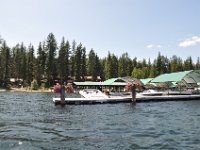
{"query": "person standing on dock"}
pixel 132 88
pixel 57 89
pixel 133 91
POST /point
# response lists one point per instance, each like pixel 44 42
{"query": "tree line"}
pixel 69 61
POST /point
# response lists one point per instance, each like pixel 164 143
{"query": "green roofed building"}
pixel 187 78
pixel 146 81
pixel 114 82
pixel 109 82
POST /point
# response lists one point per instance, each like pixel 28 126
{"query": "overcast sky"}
pixel 140 27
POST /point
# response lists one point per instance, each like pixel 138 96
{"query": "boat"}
pixel 151 93
pixel 93 96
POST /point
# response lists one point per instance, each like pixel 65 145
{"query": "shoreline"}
pixel 25 90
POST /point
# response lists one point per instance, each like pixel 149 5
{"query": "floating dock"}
pixel 167 98
pixel 126 99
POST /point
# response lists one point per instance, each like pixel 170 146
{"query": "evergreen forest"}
pixel 65 61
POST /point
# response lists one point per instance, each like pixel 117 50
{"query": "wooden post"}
pixel 62 94
pixel 133 91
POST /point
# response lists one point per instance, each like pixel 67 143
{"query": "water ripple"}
pixel 30 121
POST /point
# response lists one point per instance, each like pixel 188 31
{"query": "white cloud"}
pixel 153 46
pixel 159 46
pixel 149 46
pixel 190 42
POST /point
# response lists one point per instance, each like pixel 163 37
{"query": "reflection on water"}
pixel 30 121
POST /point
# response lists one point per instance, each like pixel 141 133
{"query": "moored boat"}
pixel 93 96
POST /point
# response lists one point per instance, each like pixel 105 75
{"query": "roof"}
pixel 145 81
pixel 87 83
pixel 171 77
pixel 114 81
pixel 109 82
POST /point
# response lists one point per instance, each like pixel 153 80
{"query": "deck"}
pixel 139 99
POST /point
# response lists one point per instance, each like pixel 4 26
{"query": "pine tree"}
pixel 24 66
pixel 5 64
pixel 19 68
pixel 40 63
pixel 67 59
pixel 108 65
pixel 72 59
pixel 78 63
pixel 83 64
pixel 153 72
pixel 91 65
pixel 30 64
pixel 114 66
pixel 50 64
pixel 197 66
pixel 124 65
pixel 188 64
pixel 62 60
pixel 159 64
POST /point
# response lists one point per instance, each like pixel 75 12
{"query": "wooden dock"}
pixel 139 99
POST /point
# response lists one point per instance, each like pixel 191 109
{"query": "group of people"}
pixel 58 88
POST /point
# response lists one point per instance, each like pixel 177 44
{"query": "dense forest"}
pixel 64 61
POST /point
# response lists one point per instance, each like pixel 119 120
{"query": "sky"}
pixel 142 28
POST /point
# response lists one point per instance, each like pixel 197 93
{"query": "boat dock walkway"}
pixel 163 98
pixel 139 99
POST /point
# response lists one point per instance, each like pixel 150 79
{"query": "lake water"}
pixel 30 121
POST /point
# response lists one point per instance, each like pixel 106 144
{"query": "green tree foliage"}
pixel 83 64
pixel 94 66
pixel 62 63
pixel 40 63
pixel 5 59
pixel 98 67
pixel 91 65
pixel 153 71
pixel 72 58
pixel 31 65
pixel 108 66
pixel 124 65
pixel 34 84
pixel 188 64
pixel 78 56
pixel 197 66
pixel 67 59
pixel 72 61
pixel 1 40
pixel 50 64
pixel 103 69
pixel 137 73
pixel 114 66
pixel 19 66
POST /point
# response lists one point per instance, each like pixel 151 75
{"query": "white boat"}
pixel 151 93
pixel 93 96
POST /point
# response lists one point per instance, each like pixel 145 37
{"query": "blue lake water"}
pixel 30 121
